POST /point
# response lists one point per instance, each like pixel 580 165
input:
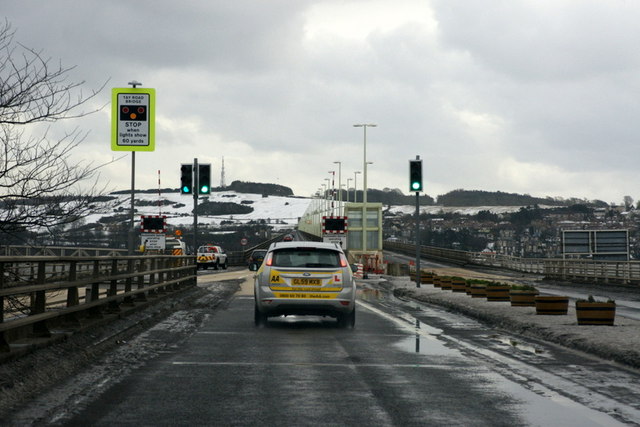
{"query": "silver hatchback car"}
pixel 305 278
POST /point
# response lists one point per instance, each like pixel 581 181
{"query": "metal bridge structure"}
pixel 625 272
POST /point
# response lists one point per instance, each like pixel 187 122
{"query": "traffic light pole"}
pixel 418 279
pixel 196 191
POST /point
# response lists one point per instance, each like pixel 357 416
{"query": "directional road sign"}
pixel 133 119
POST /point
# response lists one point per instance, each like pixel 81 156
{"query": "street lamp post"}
pixel 339 184
pixel 324 197
pixel 355 186
pixel 364 185
pixel 333 190
pixel 348 180
pixel 326 194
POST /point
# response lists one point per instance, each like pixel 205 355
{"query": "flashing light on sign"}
pixel 133 112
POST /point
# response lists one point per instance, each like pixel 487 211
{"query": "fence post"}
pixel 95 285
pixel 1 297
pixel 72 291
pixel 113 287
pixel 71 319
pixel 142 267
pixel 153 264
pixel 4 345
pixel 129 282
pixel 94 291
pixel 40 328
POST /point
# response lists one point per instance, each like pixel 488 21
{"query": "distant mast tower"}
pixel 222 183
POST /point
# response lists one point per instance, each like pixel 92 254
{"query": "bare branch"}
pixel 39 182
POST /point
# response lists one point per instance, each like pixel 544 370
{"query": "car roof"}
pixel 305 244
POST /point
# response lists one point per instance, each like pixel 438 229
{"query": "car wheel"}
pixel 224 266
pixel 216 265
pixel 347 320
pixel 259 319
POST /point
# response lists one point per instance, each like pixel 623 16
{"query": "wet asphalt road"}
pixel 404 364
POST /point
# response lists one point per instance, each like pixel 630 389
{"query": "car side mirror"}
pixel 253 266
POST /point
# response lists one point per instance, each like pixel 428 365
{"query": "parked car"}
pixel 255 259
pixel 305 278
pixel 288 238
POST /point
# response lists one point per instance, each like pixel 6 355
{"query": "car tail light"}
pixel 343 261
pixel 345 302
pixel 269 260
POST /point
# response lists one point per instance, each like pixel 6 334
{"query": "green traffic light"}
pixel 185 189
pixel 204 189
pixel 415 185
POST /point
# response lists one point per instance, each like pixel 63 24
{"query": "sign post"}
pixel 133 112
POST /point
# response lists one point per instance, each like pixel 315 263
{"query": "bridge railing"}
pixel 15 250
pixel 552 268
pixel 37 293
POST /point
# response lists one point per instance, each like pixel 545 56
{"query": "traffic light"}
pixel 415 175
pixel 204 178
pixel 186 179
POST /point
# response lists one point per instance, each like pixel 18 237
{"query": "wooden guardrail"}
pixel 37 293
pixel 559 269
pixel 16 250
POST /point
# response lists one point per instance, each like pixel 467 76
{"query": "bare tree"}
pixel 39 183
pixel 628 202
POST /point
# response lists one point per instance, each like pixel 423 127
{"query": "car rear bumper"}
pixel 270 305
pixel 303 308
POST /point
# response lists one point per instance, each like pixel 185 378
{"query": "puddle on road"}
pixel 423 339
pixel 543 398
pixel 539 405
pixel 420 345
pixel 368 294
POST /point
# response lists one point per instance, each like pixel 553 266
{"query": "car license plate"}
pixel 306 295
pixel 308 282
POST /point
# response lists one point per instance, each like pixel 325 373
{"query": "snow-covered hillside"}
pixel 274 209
pixel 281 212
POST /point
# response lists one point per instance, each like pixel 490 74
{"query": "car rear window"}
pixel 306 257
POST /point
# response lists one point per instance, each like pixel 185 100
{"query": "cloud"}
pixel 535 97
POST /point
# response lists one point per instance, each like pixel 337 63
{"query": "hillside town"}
pixel 532 232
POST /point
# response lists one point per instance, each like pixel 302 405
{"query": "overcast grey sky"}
pixel 539 97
